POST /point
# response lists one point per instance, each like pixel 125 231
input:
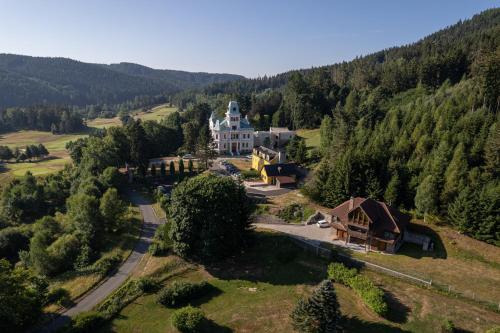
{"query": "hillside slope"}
pixel 26 80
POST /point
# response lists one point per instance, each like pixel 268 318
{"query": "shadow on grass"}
pixel 356 325
pixel 398 312
pixel 272 258
pixel 210 326
pixel 415 251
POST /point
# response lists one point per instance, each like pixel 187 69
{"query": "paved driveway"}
pixel 94 297
pixel 310 233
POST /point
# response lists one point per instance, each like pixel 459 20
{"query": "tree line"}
pixel 42 118
pixel 31 151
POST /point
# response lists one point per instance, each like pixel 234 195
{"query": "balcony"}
pixel 357 234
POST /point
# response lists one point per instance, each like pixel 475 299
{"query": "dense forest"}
pixel 416 125
pixel 28 80
pixel 42 117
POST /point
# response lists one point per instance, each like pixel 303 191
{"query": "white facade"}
pixel 233 134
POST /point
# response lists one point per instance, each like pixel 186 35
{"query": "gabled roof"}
pixel 382 216
pixel 280 169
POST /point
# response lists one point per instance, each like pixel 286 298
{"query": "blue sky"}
pixel 245 37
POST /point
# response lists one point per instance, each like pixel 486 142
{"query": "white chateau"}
pixel 232 135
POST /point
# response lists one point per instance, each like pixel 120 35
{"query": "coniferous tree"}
pixel 319 313
pixel 163 171
pixel 181 169
pixel 172 169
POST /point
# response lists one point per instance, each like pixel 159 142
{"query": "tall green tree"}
pixel 320 312
pixel 202 226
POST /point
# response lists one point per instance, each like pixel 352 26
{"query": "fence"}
pixel 329 254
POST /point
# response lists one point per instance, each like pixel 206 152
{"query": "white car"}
pixel 187 157
pixel 322 224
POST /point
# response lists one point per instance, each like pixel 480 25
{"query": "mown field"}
pixel 256 290
pixel 312 137
pixel 56 144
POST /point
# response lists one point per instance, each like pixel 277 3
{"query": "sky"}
pixel 251 38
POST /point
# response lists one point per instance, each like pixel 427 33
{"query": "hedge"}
pixel 372 295
pixel 188 319
pixel 181 292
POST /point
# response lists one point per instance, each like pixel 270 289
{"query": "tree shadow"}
pixel 398 312
pixel 416 251
pixel 272 258
pixel 210 326
pixel 355 325
pixel 210 291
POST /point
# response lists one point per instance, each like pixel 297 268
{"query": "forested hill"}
pixel 450 54
pixel 26 80
pixel 416 126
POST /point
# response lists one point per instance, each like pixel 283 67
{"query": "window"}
pixel 224 138
pixel 216 136
pixel 234 128
pixel 234 109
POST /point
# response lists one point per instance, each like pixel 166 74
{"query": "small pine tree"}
pixel 181 168
pixel 190 167
pixel 153 170
pixel 318 313
pixel 163 171
pixel 172 169
pixel 391 194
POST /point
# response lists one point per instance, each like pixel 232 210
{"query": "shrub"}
pixel 372 295
pixel 120 298
pixel 59 296
pixel 447 327
pixel 341 274
pixel 181 292
pixel 86 322
pixel 161 243
pixel 495 329
pixel 249 174
pixel 106 265
pixel 147 285
pixel 188 319
pixel 291 213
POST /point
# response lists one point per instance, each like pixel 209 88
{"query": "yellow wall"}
pixel 265 178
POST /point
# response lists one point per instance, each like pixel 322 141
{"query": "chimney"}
pixel 351 203
pixel 281 157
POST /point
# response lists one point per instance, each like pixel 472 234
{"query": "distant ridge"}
pixel 26 80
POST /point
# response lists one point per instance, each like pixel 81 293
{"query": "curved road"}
pixel 95 296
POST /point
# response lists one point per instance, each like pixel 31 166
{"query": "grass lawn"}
pixel 256 290
pixel 470 266
pixel 120 244
pixel 156 113
pixel 54 143
pixel 312 137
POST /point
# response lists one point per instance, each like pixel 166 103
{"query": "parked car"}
pixel 187 157
pixel 322 224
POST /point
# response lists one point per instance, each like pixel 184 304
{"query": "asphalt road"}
pixel 94 297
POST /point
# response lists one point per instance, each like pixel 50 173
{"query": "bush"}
pixel 181 292
pixel 106 265
pixel 59 296
pixel 86 322
pixel 341 274
pixel 372 295
pixel 495 329
pixel 147 285
pixel 447 327
pixel 188 319
pixel 120 298
pixel 249 174
pixel 161 242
